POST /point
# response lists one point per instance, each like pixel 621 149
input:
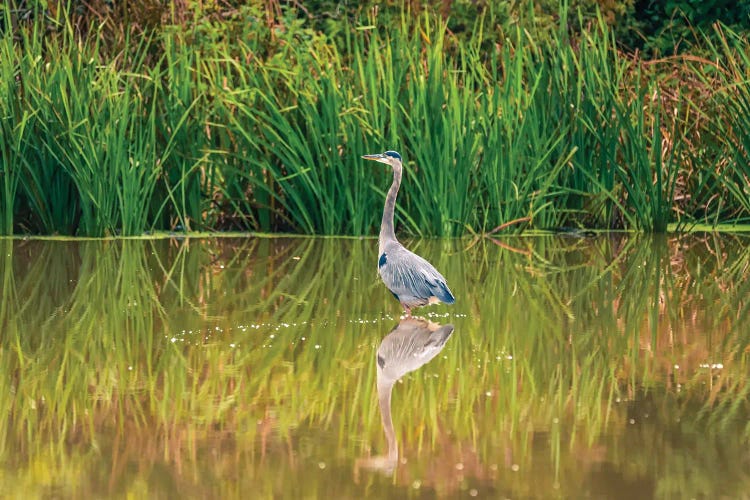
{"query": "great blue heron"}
pixel 410 278
pixel 412 343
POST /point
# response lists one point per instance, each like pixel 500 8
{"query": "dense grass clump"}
pixel 246 124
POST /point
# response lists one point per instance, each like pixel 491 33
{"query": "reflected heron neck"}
pixel 384 399
pixel 387 232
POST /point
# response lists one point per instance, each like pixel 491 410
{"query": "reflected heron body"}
pixel 410 278
pixel 412 343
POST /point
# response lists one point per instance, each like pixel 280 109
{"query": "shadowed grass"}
pixel 732 94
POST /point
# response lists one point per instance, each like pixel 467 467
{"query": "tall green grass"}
pixel 262 130
pixel 732 79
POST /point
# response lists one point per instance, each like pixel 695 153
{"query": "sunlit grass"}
pixel 186 130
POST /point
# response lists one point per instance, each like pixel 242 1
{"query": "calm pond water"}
pixel 606 367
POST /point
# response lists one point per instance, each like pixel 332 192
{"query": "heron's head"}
pixel 391 158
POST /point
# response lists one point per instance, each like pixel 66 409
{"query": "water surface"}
pixel 606 367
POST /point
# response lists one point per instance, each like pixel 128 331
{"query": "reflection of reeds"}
pixel 258 352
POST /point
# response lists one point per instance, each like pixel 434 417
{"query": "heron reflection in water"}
pixel 411 344
pixel 410 278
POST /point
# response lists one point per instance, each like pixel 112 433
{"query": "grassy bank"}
pixel 251 125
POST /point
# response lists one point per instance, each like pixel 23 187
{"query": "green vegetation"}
pixel 253 119
pixel 182 365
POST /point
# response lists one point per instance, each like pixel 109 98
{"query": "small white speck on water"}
pixel 459 466
pixel 488 394
pixel 473 492
pixel 232 345
pixel 173 339
pixel 416 484
pixel 317 346
pixel 515 467
pixel 321 465
pixel 130 368
pixel 296 257
pixel 632 421
pixel 555 420
pixel 676 367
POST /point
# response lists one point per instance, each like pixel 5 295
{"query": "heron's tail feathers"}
pixel 441 292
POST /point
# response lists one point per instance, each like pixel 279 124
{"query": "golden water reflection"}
pixel 600 367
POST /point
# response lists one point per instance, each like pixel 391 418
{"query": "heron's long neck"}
pixel 384 398
pixel 386 226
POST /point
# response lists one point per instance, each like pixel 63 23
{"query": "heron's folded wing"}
pixel 410 272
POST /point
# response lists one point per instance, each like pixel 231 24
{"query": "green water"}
pixel 606 367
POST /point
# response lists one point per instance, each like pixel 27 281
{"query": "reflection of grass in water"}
pixel 162 352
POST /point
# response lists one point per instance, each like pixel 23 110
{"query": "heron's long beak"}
pixel 378 157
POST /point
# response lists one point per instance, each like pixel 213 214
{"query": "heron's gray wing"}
pixel 406 273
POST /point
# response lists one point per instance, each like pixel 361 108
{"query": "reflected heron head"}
pixel 391 158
